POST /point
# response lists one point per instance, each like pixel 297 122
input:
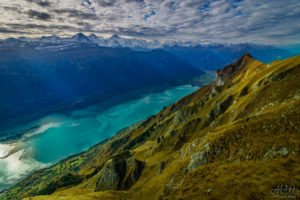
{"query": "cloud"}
pixel 134 1
pixel 73 13
pixel 42 3
pixel 271 21
pixel 41 27
pixel 193 3
pixel 106 3
pixel 11 8
pixel 5 30
pixel 38 15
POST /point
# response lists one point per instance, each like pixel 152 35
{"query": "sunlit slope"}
pixel 237 138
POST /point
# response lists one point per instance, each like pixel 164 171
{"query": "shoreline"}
pixel 13 146
pixel 8 134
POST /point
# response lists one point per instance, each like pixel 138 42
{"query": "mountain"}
pixel 81 38
pixel 95 38
pixel 236 138
pixel 50 39
pixel 212 56
pixel 203 55
pixel 117 41
pixel 33 79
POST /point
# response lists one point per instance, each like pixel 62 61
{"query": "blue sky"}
pixel 224 21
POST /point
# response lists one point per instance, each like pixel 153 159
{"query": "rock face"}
pixel 218 110
pixel 219 79
pixel 119 173
pixel 199 158
pixel 227 72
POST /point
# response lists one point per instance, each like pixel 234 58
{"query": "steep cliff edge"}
pixel 237 138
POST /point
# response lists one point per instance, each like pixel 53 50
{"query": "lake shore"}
pixel 103 101
pixel 38 146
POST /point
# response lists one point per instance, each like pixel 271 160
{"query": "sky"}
pixel 224 21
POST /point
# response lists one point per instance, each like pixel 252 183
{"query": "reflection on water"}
pixel 59 136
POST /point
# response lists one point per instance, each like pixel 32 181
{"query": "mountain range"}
pixel 236 138
pixel 203 55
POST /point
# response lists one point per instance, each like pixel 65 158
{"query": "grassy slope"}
pixel 236 141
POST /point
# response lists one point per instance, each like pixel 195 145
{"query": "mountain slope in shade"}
pixel 237 138
pixel 32 80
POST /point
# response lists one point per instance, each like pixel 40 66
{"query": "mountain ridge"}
pixel 203 55
pixel 221 142
pixel 228 71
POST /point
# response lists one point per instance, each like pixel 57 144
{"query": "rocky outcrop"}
pixel 219 79
pixel 273 153
pixel 119 173
pixel 217 111
pixel 227 72
pixel 199 158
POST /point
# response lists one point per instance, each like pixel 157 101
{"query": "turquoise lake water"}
pixel 59 136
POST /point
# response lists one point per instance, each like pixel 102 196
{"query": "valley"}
pixel 237 137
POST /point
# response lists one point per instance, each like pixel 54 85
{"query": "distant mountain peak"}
pixel 93 36
pixel 115 37
pixel 80 37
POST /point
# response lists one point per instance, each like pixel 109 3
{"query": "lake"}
pixel 57 136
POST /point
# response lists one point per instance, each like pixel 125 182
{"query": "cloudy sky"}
pixel 267 21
